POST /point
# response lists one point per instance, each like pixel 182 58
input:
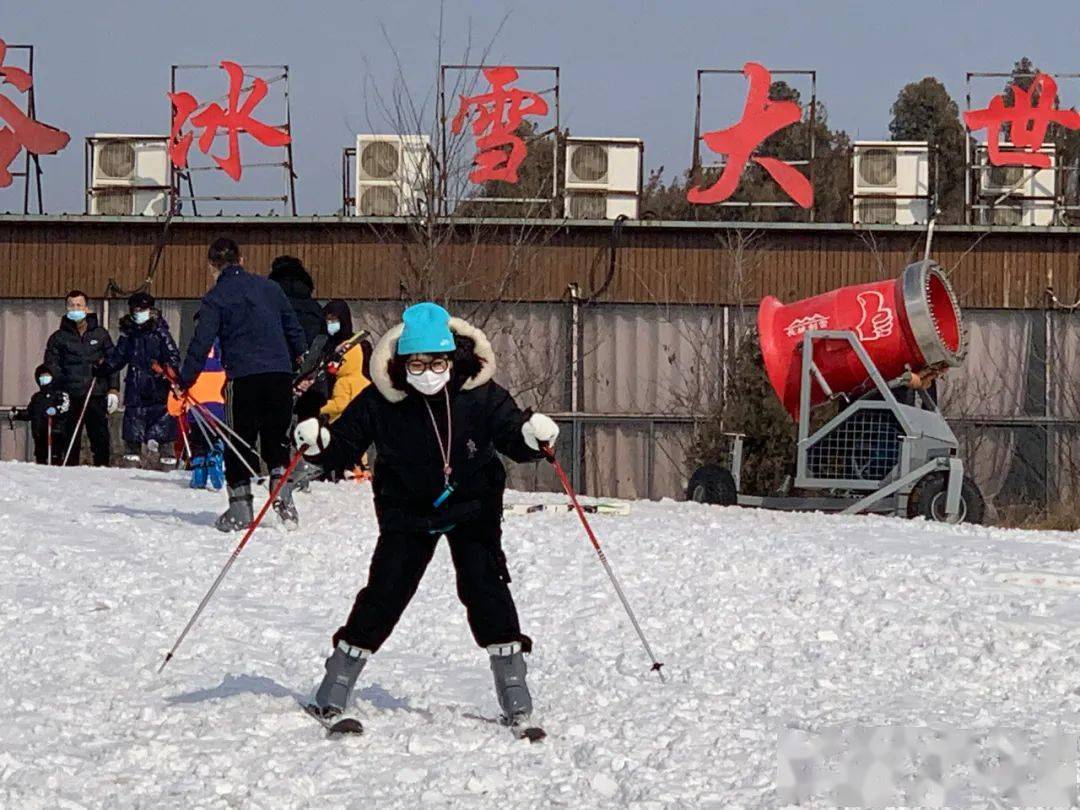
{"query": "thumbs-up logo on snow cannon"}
pixel 877 319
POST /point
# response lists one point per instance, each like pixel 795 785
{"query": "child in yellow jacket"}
pixel 352 375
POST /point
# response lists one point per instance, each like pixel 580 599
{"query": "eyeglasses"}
pixel 418 367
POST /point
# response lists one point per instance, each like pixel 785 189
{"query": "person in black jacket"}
pixel 47 412
pixel 144 340
pixel 288 272
pixel 72 353
pixel 261 341
pixel 438 423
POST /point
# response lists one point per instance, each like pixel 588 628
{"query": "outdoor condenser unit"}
pixel 891 182
pixel 392 174
pixel 129 175
pixel 603 177
pixel 1016 195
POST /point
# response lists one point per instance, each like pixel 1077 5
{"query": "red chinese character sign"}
pixel 1029 117
pixel 19 130
pixel 212 117
pixel 762 117
pixel 498 114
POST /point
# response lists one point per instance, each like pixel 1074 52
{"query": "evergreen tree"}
pixel 924 111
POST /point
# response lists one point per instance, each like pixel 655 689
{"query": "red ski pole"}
pixel 236 553
pixel 550 454
pixel 48 443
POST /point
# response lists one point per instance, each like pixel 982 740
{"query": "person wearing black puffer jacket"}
pixel 144 340
pixel 47 412
pixel 288 272
pixel 438 422
pixel 72 353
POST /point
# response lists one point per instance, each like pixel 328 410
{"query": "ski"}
pixel 311 358
pixel 591 508
pixel 533 734
pixel 317 364
pixel 520 731
pixel 333 726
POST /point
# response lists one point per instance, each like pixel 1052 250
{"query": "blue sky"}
pixel 627 68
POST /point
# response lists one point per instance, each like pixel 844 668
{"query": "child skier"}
pixel 207 449
pixel 46 412
pixel 437 422
pixel 144 340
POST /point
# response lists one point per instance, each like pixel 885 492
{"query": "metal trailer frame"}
pixel 88 171
pixel 31 113
pixel 926 445
pixel 443 167
pixel 288 199
pixel 1061 173
pixel 811 122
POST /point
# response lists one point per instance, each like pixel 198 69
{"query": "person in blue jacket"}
pixel 144 340
pixel 261 343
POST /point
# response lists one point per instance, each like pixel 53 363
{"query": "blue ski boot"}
pixel 215 466
pixel 198 472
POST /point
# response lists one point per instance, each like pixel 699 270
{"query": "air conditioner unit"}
pixel 891 182
pixel 603 177
pixel 392 174
pixel 130 160
pixel 125 202
pixel 1019 181
pixel 1026 213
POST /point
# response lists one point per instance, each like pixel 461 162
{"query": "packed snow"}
pixel 764 621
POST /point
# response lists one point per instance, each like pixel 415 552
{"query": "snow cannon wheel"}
pixel 713 484
pixel 928 500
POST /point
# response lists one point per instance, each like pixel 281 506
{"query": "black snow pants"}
pixel 258 408
pixel 96 423
pixel 398 565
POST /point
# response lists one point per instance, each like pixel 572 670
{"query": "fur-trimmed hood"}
pixel 474 360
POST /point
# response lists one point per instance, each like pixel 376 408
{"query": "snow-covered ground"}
pixel 765 622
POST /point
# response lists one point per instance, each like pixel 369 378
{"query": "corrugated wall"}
pixel 657 264
pixel 1015 400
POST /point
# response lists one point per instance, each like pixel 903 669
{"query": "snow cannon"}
pixel 909 324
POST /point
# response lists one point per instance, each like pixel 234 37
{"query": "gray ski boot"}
pixel 239 514
pixel 343 667
pixel 284 506
pixel 508 667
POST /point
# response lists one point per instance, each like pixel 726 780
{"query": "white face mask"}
pixel 429 382
pixel 333 327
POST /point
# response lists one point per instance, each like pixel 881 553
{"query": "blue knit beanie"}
pixel 426 330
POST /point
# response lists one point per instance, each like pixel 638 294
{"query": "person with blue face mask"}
pixel 72 354
pixel 439 424
pixel 47 412
pixel 145 339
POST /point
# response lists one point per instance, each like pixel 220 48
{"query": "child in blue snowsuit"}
pixel 144 340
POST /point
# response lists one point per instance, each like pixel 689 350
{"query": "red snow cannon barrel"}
pixel 910 323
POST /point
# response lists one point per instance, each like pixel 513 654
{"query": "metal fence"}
pixel 629 382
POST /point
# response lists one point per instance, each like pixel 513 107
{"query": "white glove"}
pixel 311 435
pixel 538 429
pixel 112 403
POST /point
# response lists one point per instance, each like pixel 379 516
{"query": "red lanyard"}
pixel 444 451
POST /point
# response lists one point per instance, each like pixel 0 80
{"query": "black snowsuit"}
pixel 145 393
pixel 49 397
pixel 409 478
pixel 71 358
pixel 298 287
